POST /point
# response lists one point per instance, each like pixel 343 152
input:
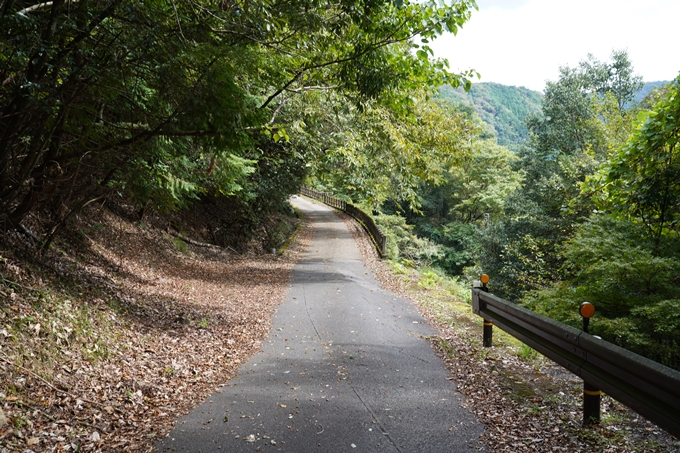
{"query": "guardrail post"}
pixel 488 325
pixel 647 387
pixel 591 394
pixel 591 404
pixel 488 333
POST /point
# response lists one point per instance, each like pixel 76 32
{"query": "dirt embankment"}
pixel 122 326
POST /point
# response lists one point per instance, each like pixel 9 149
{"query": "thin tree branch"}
pixel 282 89
pixel 312 88
pixel 40 6
pixel 276 112
pixel 179 25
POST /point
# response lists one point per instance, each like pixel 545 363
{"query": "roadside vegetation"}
pixel 586 210
pixel 527 402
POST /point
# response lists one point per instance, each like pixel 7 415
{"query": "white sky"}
pixel 524 42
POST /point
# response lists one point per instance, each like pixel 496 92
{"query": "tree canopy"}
pixel 642 181
pixel 171 100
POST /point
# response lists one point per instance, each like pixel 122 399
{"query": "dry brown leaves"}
pixel 183 322
pixel 183 319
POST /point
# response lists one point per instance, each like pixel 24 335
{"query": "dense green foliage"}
pixel 642 180
pixel 580 126
pixel 373 154
pixel 505 108
pixel 569 196
pixel 617 265
pixel 167 102
pixel 472 194
pixel 619 244
pixel 586 210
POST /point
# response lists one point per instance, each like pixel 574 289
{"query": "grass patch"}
pixel 181 245
pixel 447 347
pixel 293 229
pixel 45 328
pixel 527 353
pixel 516 388
pixel 449 301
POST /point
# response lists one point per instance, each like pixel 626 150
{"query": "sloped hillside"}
pixel 503 107
pixel 649 87
pixel 123 325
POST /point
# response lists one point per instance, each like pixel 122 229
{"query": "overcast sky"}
pixel 524 42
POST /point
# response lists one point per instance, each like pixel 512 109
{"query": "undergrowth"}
pixel 46 325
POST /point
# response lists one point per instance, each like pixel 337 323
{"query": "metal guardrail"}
pixel 378 237
pixel 647 387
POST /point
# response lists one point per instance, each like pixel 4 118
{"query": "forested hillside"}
pixel 503 107
pixel 586 210
pixel 648 87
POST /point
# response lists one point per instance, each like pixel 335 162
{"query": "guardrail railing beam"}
pixel 647 387
pixel 378 237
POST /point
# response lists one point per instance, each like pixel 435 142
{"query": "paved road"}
pixel 344 369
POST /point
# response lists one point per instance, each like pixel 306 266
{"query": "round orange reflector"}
pixel 484 279
pixel 586 309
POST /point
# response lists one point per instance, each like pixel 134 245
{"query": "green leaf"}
pixel 642 115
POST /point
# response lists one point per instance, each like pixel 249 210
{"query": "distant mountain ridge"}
pixel 648 87
pixel 503 107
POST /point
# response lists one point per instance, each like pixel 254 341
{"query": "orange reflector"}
pixel 484 279
pixel 586 309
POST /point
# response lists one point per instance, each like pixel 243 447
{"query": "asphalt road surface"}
pixel 345 369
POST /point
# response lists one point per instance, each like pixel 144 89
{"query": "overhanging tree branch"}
pixel 283 88
pixel 41 6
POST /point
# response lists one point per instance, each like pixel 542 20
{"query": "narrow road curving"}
pixel 346 368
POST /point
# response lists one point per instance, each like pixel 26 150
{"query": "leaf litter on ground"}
pixel 103 344
pixel 108 347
